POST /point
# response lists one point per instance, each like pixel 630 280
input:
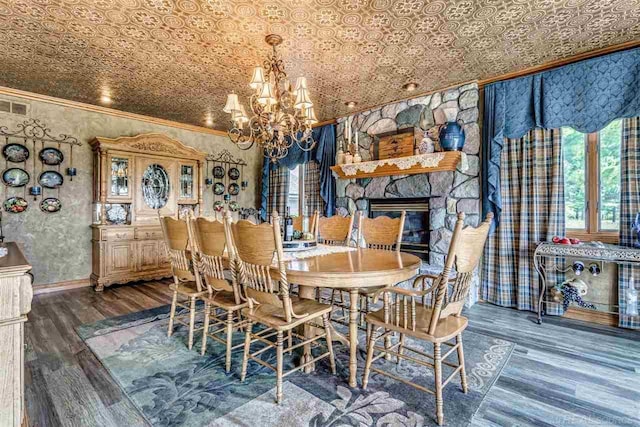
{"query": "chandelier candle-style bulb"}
pixel 232 103
pixel 311 116
pixel 266 95
pixel 302 99
pixel 258 78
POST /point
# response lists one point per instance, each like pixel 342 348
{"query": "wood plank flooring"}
pixel 562 373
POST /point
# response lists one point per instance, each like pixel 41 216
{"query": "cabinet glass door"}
pixel 186 182
pixel 120 177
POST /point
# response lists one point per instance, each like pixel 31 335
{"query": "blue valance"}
pixel 324 153
pixel 585 95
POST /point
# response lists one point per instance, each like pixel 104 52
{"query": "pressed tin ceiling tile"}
pixel 178 59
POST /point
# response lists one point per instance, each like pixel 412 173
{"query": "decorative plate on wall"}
pixel 16 153
pixel 218 172
pixel 15 177
pixel 15 205
pixel 234 173
pixel 51 156
pixel 234 189
pixel 51 179
pixel 234 206
pixel 218 188
pixel 218 206
pixel 50 205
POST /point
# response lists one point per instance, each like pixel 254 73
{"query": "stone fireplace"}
pixel 442 194
pixel 415 236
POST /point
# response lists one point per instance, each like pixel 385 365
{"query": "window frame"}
pixel 301 193
pixel 592 231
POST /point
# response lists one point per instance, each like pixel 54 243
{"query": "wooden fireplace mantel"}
pixel 438 162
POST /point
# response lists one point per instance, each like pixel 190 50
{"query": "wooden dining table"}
pixel 350 271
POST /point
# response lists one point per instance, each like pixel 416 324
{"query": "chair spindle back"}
pixel 208 239
pixel 176 239
pixel 335 230
pixel 381 232
pixel 253 249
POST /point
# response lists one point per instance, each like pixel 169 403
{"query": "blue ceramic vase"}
pixel 452 136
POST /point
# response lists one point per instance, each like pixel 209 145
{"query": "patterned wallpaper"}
pixel 177 59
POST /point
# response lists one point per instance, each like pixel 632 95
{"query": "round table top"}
pixel 362 268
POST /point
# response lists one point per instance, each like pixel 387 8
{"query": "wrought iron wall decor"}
pixel 49 148
pixel 226 171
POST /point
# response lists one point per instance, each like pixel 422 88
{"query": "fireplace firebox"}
pixel 415 237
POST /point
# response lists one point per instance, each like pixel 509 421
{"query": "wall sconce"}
pixel 208 181
pixel 72 172
pixel 35 191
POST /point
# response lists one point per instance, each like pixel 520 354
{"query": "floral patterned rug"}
pixel 172 385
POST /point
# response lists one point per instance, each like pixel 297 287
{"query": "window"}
pixel 296 184
pixel 592 182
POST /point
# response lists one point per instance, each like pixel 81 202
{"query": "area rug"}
pixel 172 385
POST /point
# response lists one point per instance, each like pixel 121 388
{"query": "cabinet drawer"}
pixel 117 235
pixel 148 234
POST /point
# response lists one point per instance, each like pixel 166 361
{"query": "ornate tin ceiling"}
pixel 177 59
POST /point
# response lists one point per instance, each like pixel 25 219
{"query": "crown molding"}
pixel 105 110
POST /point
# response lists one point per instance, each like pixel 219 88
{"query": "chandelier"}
pixel 281 115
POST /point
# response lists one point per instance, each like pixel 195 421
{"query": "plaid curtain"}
pixel 312 198
pixel 629 208
pixel 278 191
pixel 532 191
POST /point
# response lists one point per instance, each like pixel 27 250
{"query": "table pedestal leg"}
pixel 353 337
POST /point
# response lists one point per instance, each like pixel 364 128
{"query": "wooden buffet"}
pixel 135 179
pixel 15 303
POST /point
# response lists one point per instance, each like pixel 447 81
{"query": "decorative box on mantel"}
pixel 410 165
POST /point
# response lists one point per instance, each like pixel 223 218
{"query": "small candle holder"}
pixel 227 197
pixel 35 191
pixel 244 184
pixel 208 181
pixel 72 172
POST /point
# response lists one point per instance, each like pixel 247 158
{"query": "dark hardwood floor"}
pixel 564 373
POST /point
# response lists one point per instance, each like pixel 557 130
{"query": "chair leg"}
pixel 463 371
pixel 205 329
pixel 333 300
pixel 290 340
pixel 371 341
pixel 437 356
pixel 192 321
pixel 400 348
pixel 247 348
pixel 174 301
pixel 327 328
pixel 229 338
pixel 279 367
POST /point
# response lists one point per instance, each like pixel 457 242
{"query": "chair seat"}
pixel 447 328
pixel 189 289
pixel 273 316
pixel 225 300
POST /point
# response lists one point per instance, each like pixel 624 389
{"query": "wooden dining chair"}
pixel 223 300
pixel 438 322
pixel 267 291
pixel 298 222
pixel 336 231
pixel 383 233
pixel 177 243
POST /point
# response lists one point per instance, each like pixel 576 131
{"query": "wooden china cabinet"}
pixel 134 177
